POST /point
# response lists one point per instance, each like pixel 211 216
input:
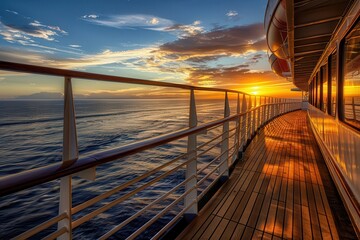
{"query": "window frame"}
pixel 341 79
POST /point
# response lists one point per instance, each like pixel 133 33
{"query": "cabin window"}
pixel 333 72
pixel 351 81
pixel 311 93
pixel 314 91
pixel 318 91
pixel 324 88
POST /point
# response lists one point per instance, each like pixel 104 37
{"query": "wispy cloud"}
pixel 17 28
pixel 103 58
pixel 143 21
pixel 12 12
pixel 232 13
pixel 75 46
pixel 130 21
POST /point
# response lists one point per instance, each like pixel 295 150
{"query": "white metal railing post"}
pixel 224 166
pixel 243 121
pixel 238 132
pixel 270 107
pixel 253 118
pixel 274 102
pixel 267 109
pixel 279 105
pixel 249 120
pixel 191 167
pixel 263 111
pixel 258 115
pixel 271 110
pixel 288 105
pixel 70 154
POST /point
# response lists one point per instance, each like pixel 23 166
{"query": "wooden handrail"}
pixel 19 67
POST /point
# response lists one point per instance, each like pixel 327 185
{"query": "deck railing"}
pixel 252 112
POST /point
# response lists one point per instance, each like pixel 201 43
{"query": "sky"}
pixel 209 43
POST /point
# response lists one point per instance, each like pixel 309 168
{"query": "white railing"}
pixel 252 112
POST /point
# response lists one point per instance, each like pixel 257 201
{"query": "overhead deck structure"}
pixel 310 27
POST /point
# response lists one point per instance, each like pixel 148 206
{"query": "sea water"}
pixel 31 136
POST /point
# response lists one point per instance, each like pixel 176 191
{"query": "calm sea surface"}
pixel 31 136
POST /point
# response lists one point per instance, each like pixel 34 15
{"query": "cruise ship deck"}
pixel 280 190
pixel 239 166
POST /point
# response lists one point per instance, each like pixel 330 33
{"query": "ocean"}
pixel 31 137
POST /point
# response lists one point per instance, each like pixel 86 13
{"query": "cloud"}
pixel 130 21
pixel 16 28
pixel 204 59
pixel 231 14
pixel 75 46
pixel 103 58
pixel 256 58
pixel 217 75
pixel 12 12
pixel 190 58
pixel 149 22
pixel 218 42
pixel 186 30
pixel 154 21
pixel 91 16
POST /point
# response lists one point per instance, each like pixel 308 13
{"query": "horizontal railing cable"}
pixel 29 178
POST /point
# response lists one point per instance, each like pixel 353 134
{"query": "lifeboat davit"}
pixel 280 66
pixel 276 34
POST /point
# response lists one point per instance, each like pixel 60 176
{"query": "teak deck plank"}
pixel 275 192
pixel 229 231
pixel 238 233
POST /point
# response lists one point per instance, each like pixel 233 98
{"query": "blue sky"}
pixel 207 43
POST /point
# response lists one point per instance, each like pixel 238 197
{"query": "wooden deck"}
pixel 276 192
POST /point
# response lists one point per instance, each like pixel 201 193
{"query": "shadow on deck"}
pixel 280 189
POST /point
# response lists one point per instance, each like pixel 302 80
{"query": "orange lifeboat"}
pixel 276 27
pixel 280 66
